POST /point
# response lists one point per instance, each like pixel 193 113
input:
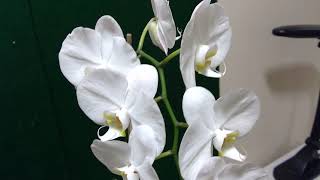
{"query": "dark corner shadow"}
pixel 294 78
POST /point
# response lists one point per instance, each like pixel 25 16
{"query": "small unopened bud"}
pixel 153 32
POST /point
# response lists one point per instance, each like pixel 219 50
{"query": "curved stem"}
pixel 143 35
pixel 163 83
pixel 170 111
pixel 172 117
pixel 149 58
pixel 176 160
pixel 176 124
pixel 169 58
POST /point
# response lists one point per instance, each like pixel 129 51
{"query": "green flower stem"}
pixel 172 117
pixel 143 35
pixel 169 58
pixel 164 96
pixel 148 57
pixel 164 154
pixel 176 124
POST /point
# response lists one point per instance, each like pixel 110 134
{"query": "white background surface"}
pixel 283 72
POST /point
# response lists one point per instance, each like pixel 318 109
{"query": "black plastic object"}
pixel 298 31
pixel 305 165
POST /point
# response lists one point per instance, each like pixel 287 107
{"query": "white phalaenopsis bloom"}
pixel 111 99
pixel 86 49
pixel 162 29
pixel 215 124
pixel 133 160
pixel 215 168
pixel 205 43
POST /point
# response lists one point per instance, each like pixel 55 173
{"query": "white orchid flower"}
pixel 162 29
pixel 133 160
pixel 86 49
pixel 215 168
pixel 111 99
pixel 205 43
pixel 215 125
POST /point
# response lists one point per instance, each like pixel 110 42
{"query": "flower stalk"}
pixel 169 58
pixel 152 60
pixel 143 35
pixel 172 117
pixel 176 124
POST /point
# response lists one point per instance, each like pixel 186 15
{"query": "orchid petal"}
pixel 108 28
pixel 213 72
pixel 197 106
pixel 147 172
pixel 123 57
pixel 145 78
pixel 215 168
pixel 166 28
pixel 162 44
pixel 142 144
pixel 187 56
pixel 218 139
pixel 80 49
pixel 191 39
pixel 111 134
pixel 103 90
pixel 212 27
pixel 200 17
pixel 243 172
pixel 131 176
pixel 232 153
pixel 237 111
pixel 211 168
pixel 195 147
pixel 222 34
pixel 224 44
pixel 144 110
pixel 113 154
pixel 209 27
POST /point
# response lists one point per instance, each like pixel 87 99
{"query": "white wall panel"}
pixel 283 72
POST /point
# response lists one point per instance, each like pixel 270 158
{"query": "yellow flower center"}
pixel 112 120
pixel 203 57
pixel 229 140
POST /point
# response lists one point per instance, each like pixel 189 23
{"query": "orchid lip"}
pixel 204 54
pixel 223 138
pixel 223 141
pixel 112 120
pixel 119 120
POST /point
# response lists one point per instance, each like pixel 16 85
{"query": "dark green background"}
pixel 43 133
